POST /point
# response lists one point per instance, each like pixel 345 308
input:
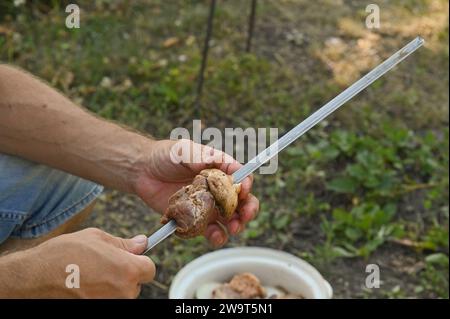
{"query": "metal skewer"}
pixel 238 176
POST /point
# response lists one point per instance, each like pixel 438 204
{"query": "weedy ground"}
pixel 369 185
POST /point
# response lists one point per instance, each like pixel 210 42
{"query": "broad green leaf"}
pixel 282 221
pixel 343 185
pixel 353 233
pixel 437 259
pixel 341 252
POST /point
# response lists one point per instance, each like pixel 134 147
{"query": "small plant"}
pixel 434 278
pixel 376 171
pixel 360 231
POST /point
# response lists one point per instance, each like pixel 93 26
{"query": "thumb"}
pixel 135 245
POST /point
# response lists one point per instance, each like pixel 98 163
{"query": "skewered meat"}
pixel 194 206
pixel 191 208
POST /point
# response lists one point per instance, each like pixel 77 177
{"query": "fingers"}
pixel 247 211
pixel 125 268
pixel 218 159
pixel 201 157
pixel 143 267
pixel 248 208
pixel 135 245
pixel 216 235
pixel 246 187
pixel 204 156
pixel 234 226
pixel 146 269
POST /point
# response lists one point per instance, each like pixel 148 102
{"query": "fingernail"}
pixel 217 240
pixel 139 239
pixel 220 242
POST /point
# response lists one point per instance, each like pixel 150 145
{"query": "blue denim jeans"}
pixel 35 199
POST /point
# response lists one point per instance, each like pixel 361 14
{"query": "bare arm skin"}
pixel 40 124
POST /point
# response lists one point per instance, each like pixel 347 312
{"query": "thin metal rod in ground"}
pixel 201 73
pixel 251 26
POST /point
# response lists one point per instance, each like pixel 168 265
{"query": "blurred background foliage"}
pixel 369 185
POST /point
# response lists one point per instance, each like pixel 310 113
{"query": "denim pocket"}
pixel 9 221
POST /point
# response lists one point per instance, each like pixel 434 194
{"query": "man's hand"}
pixel 161 177
pixel 41 125
pixel 110 267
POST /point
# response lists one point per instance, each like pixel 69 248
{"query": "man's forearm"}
pixel 40 124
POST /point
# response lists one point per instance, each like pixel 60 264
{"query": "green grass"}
pixel 369 183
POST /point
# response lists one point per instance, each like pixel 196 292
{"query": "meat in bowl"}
pixel 243 286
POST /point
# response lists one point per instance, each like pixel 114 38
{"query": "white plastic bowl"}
pixel 272 267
